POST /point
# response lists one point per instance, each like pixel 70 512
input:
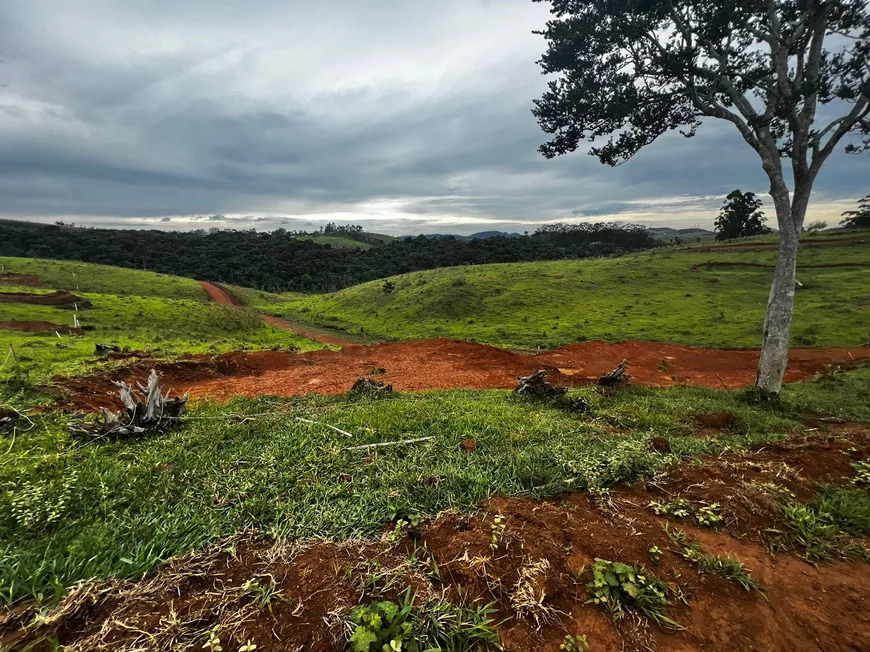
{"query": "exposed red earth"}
pixel 448 364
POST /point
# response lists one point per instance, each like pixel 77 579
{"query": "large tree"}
pixel 741 216
pixel 792 77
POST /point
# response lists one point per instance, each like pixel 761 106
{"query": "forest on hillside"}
pixel 280 261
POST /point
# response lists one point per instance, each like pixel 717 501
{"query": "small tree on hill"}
pixel 818 225
pixel 859 219
pixel 740 216
pixel 791 76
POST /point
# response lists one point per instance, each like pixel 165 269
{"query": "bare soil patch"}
pixel 36 326
pixel 59 299
pixel 21 279
pixel 447 364
pixel 531 575
pixel 220 294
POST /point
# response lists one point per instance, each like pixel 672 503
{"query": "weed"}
pixel 577 643
pixel 213 641
pixel 434 625
pixel 708 515
pixel 847 509
pixel 263 594
pixel 729 568
pixel 862 473
pixel 620 587
pixel 808 532
pixel 678 508
pixel 655 554
pixel 498 527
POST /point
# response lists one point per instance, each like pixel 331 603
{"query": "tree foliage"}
pixel 740 216
pixel 282 261
pixel 858 219
pixel 632 70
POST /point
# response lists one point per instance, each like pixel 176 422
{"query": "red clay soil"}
pixel 220 294
pixel 448 364
pixel 760 246
pixel 60 299
pixel 21 279
pixel 306 331
pixel 534 575
pixel 38 327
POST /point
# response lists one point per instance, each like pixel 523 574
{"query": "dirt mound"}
pixel 60 299
pixel 21 279
pixel 529 564
pixel 448 364
pixel 219 294
pixel 38 327
pixel 761 246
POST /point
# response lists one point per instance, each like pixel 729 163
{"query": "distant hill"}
pixel 481 235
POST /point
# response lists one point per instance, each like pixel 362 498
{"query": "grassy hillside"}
pixel 164 315
pixel 714 298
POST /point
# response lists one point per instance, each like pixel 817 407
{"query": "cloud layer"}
pixel 407 117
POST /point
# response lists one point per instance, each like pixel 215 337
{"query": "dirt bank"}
pixel 448 364
pixel 21 279
pixel 59 299
pixel 220 294
pixel 533 574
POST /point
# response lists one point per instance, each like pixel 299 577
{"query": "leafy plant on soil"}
pixel 435 625
pixel 498 527
pixel 577 643
pixel 620 587
pixel 707 514
pixel 847 509
pixel 728 567
pixel 862 473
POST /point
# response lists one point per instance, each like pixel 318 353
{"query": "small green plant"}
pixel 620 587
pixel 862 473
pixel 213 641
pixel 383 626
pixel 263 594
pixel 398 531
pixel 816 538
pixel 248 647
pixel 729 568
pixel 577 643
pixel 498 527
pixel 434 625
pixel 708 515
pixel 679 508
pixel 655 554
pixel 847 509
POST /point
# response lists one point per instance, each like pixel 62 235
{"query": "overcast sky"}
pixel 406 117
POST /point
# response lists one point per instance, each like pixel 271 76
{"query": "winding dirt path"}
pixel 220 294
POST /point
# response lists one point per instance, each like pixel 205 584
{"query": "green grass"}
pixel 71 510
pixel 165 315
pixel 88 277
pixel 656 296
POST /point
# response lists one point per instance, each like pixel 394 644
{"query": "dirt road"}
pixel 220 294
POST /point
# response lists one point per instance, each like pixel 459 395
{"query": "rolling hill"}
pixel 702 298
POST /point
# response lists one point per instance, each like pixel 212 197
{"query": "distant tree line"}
pixel 280 261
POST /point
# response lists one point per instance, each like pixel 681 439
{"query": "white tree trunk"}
pixel 780 303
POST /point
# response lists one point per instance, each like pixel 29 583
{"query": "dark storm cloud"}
pixel 406 118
